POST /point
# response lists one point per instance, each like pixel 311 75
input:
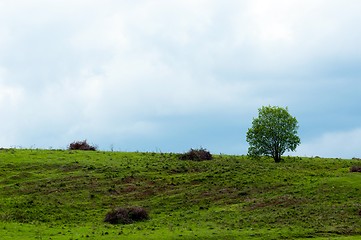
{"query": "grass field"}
pixel 60 194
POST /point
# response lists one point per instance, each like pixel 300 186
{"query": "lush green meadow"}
pixel 60 194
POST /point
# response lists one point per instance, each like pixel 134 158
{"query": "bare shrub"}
pixel 138 214
pixel 355 169
pixel 81 145
pixel 126 215
pixel 196 155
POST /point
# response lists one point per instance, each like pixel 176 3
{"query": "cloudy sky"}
pixel 162 75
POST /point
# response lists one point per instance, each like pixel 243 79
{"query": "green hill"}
pixel 58 194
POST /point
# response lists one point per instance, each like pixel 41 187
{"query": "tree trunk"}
pixel 277 159
pixel 277 156
pixel 277 153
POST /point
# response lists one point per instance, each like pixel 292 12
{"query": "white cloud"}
pixel 10 94
pixel 117 67
pixel 345 144
pixel 11 98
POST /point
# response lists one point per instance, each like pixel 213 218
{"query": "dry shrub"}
pixel 196 155
pixel 81 145
pixel 126 215
pixel 355 169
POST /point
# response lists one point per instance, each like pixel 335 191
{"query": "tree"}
pixel 272 133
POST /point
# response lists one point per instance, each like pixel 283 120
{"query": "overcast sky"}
pixel 162 75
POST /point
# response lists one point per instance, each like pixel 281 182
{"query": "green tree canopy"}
pixel 272 133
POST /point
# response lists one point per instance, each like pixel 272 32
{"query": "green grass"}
pixel 55 194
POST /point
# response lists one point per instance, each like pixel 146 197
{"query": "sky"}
pixel 167 76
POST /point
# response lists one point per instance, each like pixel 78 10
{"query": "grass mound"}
pixel 60 194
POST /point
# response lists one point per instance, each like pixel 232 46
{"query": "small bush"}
pixel 81 145
pixel 196 155
pixel 355 169
pixel 126 215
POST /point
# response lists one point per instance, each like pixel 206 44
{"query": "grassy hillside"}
pixel 53 194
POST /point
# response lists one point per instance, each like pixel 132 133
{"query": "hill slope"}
pixel 55 194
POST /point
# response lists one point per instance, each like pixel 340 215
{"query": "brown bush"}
pixel 81 145
pixel 126 215
pixel 355 169
pixel 196 155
